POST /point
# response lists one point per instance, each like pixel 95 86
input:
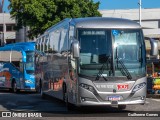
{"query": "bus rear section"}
pixel 10 77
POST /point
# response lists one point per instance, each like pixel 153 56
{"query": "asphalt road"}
pixel 33 105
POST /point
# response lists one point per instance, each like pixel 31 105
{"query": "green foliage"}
pixel 41 14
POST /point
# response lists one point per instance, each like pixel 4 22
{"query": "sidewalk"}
pixel 153 96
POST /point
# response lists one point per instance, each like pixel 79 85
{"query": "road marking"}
pixel 158 100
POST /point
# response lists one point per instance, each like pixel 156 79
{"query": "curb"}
pixel 153 96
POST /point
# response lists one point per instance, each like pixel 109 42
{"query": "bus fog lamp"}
pixel 82 99
pixel 142 97
pixel 138 87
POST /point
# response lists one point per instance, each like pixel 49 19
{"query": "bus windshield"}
pixel 97 53
pixel 29 66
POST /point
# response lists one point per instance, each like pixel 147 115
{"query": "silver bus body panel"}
pixel 61 64
pixel 106 23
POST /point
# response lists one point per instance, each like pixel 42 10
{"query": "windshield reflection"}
pixel 29 65
pixel 96 46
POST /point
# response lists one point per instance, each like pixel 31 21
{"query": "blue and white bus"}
pixel 17 66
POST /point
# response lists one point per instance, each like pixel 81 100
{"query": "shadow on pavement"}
pixel 28 102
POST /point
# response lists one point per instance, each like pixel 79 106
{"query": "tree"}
pixel 41 14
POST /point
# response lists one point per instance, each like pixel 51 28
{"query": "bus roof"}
pixel 104 22
pixel 25 46
pixel 97 22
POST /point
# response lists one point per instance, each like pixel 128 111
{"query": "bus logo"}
pixel 6 114
pixel 123 86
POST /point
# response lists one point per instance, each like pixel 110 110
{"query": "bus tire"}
pixel 122 107
pixel 64 93
pixel 41 91
pixel 65 98
pixel 38 88
pixel 42 94
pixel 14 87
pixel 69 106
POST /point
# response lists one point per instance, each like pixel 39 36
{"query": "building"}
pixel 8 34
pixel 21 34
pixel 7 28
pixel 150 23
pixel 150 19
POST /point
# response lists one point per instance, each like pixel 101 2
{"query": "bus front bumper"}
pixel 87 98
pixel 110 103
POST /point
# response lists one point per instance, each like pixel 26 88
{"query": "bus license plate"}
pixel 114 98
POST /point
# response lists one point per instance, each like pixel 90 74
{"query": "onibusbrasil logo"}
pixel 21 114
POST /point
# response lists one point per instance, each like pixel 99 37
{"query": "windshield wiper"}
pixel 123 69
pixel 102 69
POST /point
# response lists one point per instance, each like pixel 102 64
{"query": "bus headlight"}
pixel 138 87
pixel 88 87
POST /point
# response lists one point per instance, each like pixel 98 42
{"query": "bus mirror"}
pixel 75 49
pixel 154 47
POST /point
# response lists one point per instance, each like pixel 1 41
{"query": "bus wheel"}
pixel 65 99
pixel 64 93
pixel 42 94
pixel 69 106
pixel 122 107
pixel 38 89
pixel 14 87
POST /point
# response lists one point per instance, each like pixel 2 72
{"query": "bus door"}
pixel 22 74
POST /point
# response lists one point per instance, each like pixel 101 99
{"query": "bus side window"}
pixel 16 64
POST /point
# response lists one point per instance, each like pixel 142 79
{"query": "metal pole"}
pixel 4 41
pixel 140 5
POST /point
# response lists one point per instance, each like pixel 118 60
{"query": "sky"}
pixel 127 4
pixel 116 4
pixel 5 8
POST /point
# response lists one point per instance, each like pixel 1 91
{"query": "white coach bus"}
pixel 93 61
